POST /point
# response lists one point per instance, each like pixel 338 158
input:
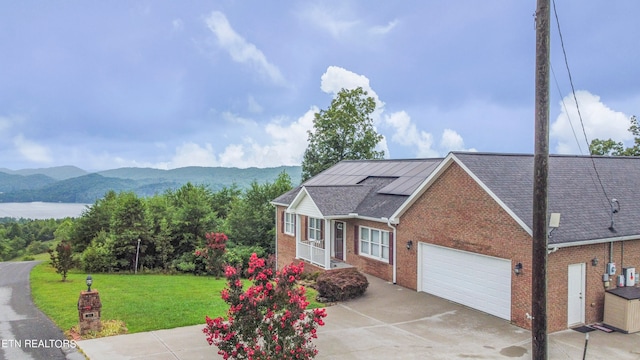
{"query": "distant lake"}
pixel 41 210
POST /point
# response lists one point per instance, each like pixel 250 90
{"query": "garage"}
pixel 478 281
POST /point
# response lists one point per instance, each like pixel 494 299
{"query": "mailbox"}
pixel 89 308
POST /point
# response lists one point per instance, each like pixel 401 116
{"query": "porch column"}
pixel 327 244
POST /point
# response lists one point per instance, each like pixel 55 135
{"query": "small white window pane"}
pixel 385 252
pixel 364 234
pixel 375 236
pixel 385 238
pixel 375 250
pixel 364 247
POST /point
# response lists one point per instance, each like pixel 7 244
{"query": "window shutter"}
pixel 306 228
pixel 390 248
pixel 282 229
pixel 356 239
pixel 321 229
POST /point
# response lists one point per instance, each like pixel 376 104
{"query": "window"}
pixel 289 223
pixel 374 243
pixel 315 229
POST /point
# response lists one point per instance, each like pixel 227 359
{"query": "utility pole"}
pixel 540 177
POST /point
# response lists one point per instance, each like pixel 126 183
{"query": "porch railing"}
pixel 312 251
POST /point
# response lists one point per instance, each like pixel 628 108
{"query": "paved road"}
pixel 25 332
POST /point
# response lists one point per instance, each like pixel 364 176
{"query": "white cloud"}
pixel 177 25
pixel 406 133
pixel 381 30
pixel 334 20
pixel 191 154
pixel 253 105
pixel 599 120
pixel 31 150
pixel 235 119
pixel 239 49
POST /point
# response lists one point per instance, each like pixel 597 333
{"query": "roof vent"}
pixel 615 208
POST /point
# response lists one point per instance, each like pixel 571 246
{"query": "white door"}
pixel 477 281
pixel 576 298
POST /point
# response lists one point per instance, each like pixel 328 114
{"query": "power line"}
pixel 575 98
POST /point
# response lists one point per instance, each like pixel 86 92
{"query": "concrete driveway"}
pixel 389 322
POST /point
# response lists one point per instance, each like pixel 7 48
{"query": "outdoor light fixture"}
pixel 518 269
pixel 89 282
pixel 594 261
pixel 409 244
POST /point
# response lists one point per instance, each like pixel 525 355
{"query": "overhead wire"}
pixel 575 98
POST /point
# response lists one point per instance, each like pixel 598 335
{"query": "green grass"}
pixel 143 302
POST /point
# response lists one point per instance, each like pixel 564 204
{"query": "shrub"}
pixel 340 285
pixel 269 319
pixel 97 257
pixel 239 255
pixel 212 253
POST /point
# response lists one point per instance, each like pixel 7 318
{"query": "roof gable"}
pixel 574 192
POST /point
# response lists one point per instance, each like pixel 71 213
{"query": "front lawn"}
pixel 143 302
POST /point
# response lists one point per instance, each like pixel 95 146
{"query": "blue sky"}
pixel 167 84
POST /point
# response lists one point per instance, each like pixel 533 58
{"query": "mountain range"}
pixel 70 184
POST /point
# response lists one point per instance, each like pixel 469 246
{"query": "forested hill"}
pixel 73 185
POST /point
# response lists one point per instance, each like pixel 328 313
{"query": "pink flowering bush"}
pixel 213 252
pixel 269 319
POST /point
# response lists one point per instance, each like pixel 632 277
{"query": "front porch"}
pixel 320 242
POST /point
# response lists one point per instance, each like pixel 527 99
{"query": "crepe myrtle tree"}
pixel 344 131
pixel 269 319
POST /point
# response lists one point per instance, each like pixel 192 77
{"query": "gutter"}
pixel 594 241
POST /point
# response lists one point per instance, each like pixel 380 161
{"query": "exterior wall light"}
pixel 409 244
pixel 89 282
pixel 518 269
pixel 594 261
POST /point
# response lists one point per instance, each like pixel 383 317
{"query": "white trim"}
pixel 292 223
pixel 593 242
pixel 444 165
pixel 370 242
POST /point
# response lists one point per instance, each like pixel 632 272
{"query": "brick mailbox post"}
pixel 89 307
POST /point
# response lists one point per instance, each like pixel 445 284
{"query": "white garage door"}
pixel 477 281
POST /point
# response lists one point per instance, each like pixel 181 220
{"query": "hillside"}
pixel 33 185
pixel 56 172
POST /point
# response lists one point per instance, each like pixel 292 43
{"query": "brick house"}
pixel 460 228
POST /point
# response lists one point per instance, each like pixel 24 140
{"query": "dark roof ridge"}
pixel 401 159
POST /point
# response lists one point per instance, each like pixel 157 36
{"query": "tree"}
pixel 268 320
pixel 344 131
pixel 62 258
pixel 192 216
pixel 612 148
pixel 128 227
pixel 251 220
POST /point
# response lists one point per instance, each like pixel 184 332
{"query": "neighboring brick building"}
pixel 460 228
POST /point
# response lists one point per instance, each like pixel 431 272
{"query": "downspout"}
pixel 395 247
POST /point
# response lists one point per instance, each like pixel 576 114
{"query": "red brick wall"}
pixel 286 244
pixel 368 265
pixel 456 212
pixel 287 249
pixel 557 278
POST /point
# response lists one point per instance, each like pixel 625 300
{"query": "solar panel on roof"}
pixel 402 186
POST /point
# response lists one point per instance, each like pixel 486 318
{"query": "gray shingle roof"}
pixel 574 191
pixel 371 188
pixel 378 188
